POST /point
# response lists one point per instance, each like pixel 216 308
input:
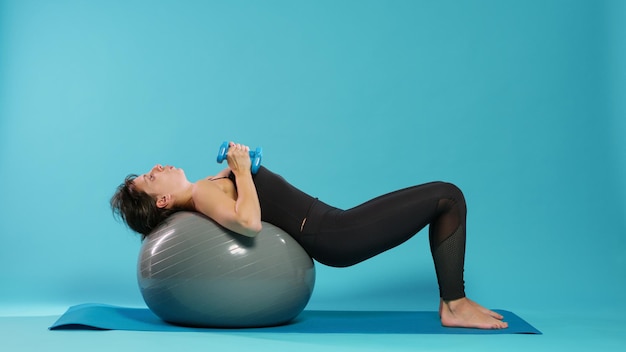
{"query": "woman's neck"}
pixel 184 200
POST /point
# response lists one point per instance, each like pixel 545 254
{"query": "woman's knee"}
pixel 455 191
pixel 449 190
pixel 450 196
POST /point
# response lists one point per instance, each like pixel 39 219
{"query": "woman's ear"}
pixel 163 201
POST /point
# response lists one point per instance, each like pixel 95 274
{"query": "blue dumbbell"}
pixel 255 156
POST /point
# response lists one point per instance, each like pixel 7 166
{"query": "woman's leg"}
pixel 347 237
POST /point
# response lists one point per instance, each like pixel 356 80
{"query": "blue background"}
pixel 520 103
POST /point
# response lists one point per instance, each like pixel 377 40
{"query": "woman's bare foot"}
pixel 466 313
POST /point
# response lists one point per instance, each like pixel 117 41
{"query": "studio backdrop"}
pixel 519 103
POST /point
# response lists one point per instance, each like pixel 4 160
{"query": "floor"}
pixel 561 332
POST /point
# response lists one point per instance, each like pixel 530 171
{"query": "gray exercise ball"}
pixel 193 272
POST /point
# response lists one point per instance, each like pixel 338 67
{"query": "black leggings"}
pixel 342 238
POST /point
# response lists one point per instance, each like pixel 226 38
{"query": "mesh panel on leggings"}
pixel 449 258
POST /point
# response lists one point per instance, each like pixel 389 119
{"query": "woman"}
pixel 239 201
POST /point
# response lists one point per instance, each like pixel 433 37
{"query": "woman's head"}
pixel 144 201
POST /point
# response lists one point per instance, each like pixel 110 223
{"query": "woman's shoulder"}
pixel 210 186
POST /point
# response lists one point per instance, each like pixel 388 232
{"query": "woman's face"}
pixel 161 180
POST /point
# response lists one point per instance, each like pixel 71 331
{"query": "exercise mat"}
pixel 108 317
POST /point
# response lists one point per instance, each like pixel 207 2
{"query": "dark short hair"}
pixel 137 208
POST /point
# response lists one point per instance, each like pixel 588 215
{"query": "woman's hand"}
pixel 238 157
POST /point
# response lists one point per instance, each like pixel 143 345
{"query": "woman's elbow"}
pixel 255 228
pixel 252 228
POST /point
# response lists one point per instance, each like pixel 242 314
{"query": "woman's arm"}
pixel 242 215
pixel 235 215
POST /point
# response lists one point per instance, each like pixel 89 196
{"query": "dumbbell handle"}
pixel 222 156
pixel 255 156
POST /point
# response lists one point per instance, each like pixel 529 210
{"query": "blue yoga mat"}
pixel 107 317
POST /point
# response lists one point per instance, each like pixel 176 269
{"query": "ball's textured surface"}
pixel 194 272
